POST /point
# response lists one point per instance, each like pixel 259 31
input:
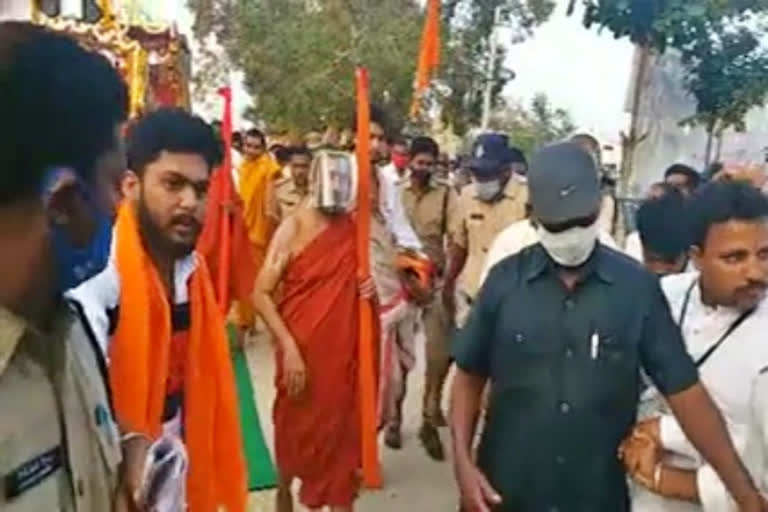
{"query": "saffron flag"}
pixel 224 241
pixel 366 368
pixel 429 54
pixel 225 246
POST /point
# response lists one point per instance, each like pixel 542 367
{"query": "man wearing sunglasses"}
pixel 553 332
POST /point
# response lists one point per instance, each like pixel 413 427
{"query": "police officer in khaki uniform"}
pixel 289 192
pixel 496 198
pixel 59 443
pixel 427 204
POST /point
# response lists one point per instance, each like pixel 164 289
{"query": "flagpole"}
pixel 429 56
pixel 367 371
pixel 226 218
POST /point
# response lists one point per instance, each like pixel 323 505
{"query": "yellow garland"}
pixel 132 58
pixel 138 73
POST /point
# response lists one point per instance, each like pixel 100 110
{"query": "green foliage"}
pixel 727 73
pixel 659 24
pixel 299 56
pixel 469 25
pixel 728 76
pixel 535 125
pixel 689 26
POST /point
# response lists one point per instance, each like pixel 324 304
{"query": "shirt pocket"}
pixel 614 358
pixel 522 360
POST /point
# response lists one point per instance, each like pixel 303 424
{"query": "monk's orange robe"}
pixel 254 183
pixel 317 435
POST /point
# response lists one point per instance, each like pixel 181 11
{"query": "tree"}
pixel 654 26
pixel 469 27
pixel 298 56
pixel 727 73
pixel 536 125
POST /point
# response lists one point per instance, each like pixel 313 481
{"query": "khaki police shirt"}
pixel 476 224
pixel 284 199
pixel 429 211
pixel 59 444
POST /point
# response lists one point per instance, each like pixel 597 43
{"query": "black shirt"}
pixel 565 376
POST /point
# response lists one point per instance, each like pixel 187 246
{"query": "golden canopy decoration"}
pixel 152 58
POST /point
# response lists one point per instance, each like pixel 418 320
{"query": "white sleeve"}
pixel 633 246
pixel 712 492
pixel 673 438
pixel 755 455
pixel 401 227
pixel 98 297
pixel 496 253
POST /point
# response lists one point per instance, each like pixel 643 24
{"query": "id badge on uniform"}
pixel 31 473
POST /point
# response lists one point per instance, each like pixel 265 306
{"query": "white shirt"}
pixel 100 300
pixel 756 451
pixel 728 375
pixel 517 237
pixel 391 207
pixel 633 246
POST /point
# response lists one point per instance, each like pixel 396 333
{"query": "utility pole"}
pixel 491 71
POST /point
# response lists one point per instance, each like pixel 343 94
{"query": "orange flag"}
pixel 367 375
pixel 429 54
pixel 224 241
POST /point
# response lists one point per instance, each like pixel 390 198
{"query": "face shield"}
pixel 334 182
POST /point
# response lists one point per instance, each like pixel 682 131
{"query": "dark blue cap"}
pixel 491 155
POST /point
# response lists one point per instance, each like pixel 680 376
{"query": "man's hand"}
pixel 366 287
pixel 477 495
pixel 128 497
pixel 294 371
pixel 416 292
pixel 641 455
pixel 750 173
pixel 650 428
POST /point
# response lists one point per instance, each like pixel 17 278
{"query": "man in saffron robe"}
pixel 154 311
pixel 314 320
pixel 255 178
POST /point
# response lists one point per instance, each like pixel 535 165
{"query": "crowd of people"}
pixel 590 374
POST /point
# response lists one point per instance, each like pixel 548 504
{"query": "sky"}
pixel 580 70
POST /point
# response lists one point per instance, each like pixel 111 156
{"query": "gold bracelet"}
pixel 657 477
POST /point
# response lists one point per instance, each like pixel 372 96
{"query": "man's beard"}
pixel 155 237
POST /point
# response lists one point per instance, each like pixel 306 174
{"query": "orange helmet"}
pixel 419 266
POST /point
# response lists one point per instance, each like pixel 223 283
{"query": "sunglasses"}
pixel 583 222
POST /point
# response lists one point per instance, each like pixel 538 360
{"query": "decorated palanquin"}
pixel 153 58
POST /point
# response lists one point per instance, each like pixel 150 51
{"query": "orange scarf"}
pixel 139 353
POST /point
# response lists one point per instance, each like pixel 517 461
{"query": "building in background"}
pixel 664 104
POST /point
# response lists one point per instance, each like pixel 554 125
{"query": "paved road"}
pixel 413 483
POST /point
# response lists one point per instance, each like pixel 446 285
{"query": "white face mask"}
pixel 572 247
pixel 488 190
